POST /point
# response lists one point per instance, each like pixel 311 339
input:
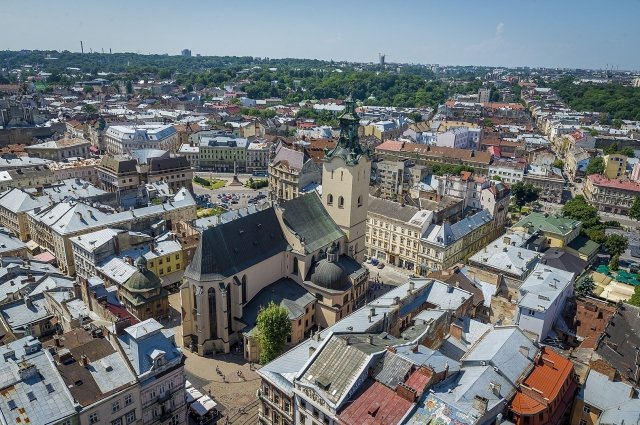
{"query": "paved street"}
pixel 227 388
pixel 243 193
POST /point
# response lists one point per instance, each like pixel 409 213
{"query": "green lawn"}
pixel 208 212
pixel 208 183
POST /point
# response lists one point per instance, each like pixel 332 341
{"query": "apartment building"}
pixel 53 227
pixel 223 153
pixel 123 139
pixel 292 173
pixel 14 206
pixel 507 171
pixel 58 150
pixel 420 154
pixel 615 166
pixel 611 195
pixel 549 180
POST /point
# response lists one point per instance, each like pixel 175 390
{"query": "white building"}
pixel 159 365
pixel 257 156
pixel 121 139
pixel 460 137
pixel 508 171
pixel 542 298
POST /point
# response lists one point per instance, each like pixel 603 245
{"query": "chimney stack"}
pixel 84 360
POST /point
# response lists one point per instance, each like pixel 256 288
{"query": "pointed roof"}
pixel 348 146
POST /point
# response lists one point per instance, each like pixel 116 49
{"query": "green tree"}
pixel 616 244
pixel 487 122
pixel 273 329
pixel 634 211
pixel 87 89
pixel 614 263
pixel 617 123
pixel 524 193
pixel 595 166
pixel 558 163
pixel 89 109
pixel 584 287
pixel 129 87
pixel 497 178
pixel 578 209
pixel 635 298
pixel 627 151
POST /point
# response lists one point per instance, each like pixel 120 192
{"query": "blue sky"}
pixel 558 33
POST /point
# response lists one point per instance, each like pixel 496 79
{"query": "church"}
pixel 305 254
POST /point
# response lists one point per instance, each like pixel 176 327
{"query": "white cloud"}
pixel 500 29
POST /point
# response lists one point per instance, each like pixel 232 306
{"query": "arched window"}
pixel 329 199
pixel 360 200
pixel 244 289
pixel 213 321
pixel 295 265
pixel 340 202
pixel 341 175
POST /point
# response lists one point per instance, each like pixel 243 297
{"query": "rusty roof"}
pixel 547 379
pixel 375 404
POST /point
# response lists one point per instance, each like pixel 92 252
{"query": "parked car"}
pixel 381 266
pixel 374 261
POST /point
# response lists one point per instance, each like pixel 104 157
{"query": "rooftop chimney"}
pixel 84 360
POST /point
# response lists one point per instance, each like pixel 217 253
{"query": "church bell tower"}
pixel 346 171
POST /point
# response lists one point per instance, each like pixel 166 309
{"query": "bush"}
pixel 612 223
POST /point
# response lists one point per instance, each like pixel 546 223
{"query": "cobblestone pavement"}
pixel 228 378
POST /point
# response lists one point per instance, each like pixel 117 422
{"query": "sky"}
pixel 549 33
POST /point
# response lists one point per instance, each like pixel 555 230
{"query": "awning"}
pixel 53 321
pixel 32 245
pixel 45 257
pixel 188 384
pixel 192 395
pixel 203 405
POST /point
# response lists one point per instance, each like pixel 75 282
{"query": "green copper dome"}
pixel 143 281
pixel 330 275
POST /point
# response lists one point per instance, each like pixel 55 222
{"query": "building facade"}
pixel 123 139
pixel 611 195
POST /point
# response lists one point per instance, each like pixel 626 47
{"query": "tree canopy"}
pixel 584 287
pixel 578 209
pixel 273 329
pixel 524 193
pixel 595 166
pixel 618 101
pixel 616 244
pixel 634 211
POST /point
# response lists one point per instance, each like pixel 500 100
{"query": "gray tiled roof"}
pixel 228 249
pixel 391 209
pixel 543 286
pixel 283 370
pixel 391 369
pixel 284 292
pixel 52 402
pixel 8 242
pixel 17 200
pixel 306 216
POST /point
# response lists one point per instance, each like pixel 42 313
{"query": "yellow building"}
pixel 300 306
pixel 558 231
pixel 614 166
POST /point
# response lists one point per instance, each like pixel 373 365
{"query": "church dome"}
pixel 141 262
pixel 329 275
pixel 143 281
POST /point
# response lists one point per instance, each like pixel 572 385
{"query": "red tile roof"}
pixel 599 180
pixel 375 404
pixel 390 145
pixel 546 379
pixel 502 105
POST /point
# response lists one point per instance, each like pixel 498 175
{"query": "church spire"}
pixel 348 146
